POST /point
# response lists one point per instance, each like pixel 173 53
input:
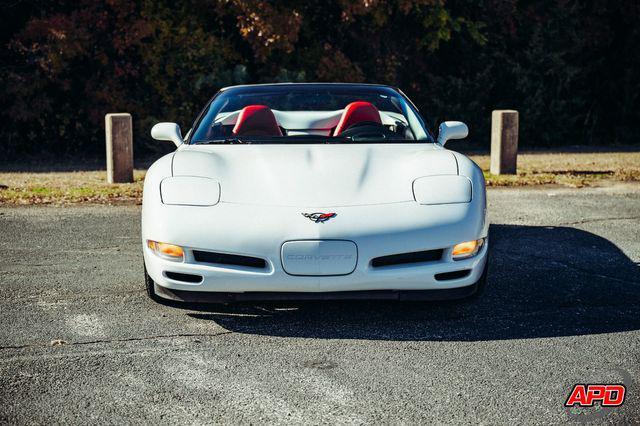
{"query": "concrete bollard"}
pixel 119 141
pixel 504 142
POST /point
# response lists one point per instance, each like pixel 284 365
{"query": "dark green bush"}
pixel 570 67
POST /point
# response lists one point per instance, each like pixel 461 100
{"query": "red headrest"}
pixel 357 112
pixel 256 120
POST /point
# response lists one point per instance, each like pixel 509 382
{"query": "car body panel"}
pixel 258 230
pixel 310 175
pixel 271 195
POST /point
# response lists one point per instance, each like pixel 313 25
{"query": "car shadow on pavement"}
pixel 543 282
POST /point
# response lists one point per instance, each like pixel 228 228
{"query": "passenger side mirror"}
pixel 452 130
pixel 167 132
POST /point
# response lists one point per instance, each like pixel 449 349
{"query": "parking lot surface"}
pixel 81 343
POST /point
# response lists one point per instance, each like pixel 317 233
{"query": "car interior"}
pixel 357 119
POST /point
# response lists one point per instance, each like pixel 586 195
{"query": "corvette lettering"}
pixel 319 257
pixel 319 217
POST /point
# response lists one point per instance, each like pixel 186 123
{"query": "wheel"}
pixel 481 284
pixel 150 285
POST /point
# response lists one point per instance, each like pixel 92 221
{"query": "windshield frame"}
pixel 296 140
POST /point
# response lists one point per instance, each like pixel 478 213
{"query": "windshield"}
pixel 310 113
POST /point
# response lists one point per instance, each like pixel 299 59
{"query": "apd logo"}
pixel 586 395
pixel 319 217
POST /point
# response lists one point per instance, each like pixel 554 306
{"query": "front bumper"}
pixel 230 279
pixel 261 232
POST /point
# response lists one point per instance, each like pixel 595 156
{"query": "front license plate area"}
pixel 319 257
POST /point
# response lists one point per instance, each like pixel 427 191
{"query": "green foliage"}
pixel 570 67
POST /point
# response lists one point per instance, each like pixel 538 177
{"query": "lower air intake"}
pixel 445 276
pixel 229 259
pixel 187 278
pixel 406 258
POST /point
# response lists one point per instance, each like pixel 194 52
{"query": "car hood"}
pixel 314 175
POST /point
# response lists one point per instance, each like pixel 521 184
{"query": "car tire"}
pixel 481 284
pixel 150 285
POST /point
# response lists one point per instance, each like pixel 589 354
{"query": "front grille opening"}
pixel 229 259
pixel 404 258
pixel 187 278
pixel 445 276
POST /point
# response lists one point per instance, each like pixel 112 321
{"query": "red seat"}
pixel 256 120
pixel 357 112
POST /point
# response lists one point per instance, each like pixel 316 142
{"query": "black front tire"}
pixel 481 284
pixel 150 285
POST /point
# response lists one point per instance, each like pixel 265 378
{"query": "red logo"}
pixel 588 395
pixel 319 217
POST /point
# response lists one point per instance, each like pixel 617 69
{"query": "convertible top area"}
pixel 281 111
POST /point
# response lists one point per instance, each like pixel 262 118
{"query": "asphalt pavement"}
pixel 81 343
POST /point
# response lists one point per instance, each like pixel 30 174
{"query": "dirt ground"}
pixel 570 169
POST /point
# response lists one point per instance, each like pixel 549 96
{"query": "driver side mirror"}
pixel 167 132
pixel 452 130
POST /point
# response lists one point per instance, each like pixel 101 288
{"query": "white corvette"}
pixel 296 191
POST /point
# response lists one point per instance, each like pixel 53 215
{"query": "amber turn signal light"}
pixel 467 249
pixel 167 251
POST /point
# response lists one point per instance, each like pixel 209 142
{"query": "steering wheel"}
pixel 367 130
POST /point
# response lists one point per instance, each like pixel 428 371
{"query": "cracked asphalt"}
pixel 81 343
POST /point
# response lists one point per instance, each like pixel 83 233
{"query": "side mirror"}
pixel 452 130
pixel 167 132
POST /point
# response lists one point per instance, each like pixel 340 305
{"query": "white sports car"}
pixel 306 191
